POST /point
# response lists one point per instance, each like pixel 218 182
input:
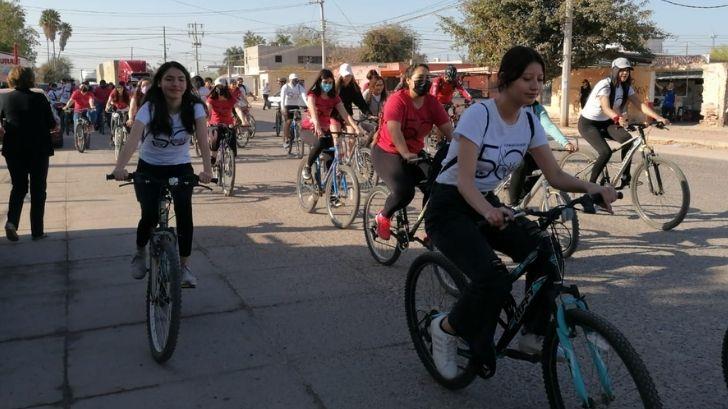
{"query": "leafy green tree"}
pixel 55 71
pixel 14 31
pixel 234 56
pixel 389 43
pixel 50 20
pixel 251 39
pixel 281 39
pixel 719 54
pixel 600 29
pixel 64 33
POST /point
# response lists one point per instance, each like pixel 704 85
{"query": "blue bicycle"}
pixel 586 361
pixel 333 180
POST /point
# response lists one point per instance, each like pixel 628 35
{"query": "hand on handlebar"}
pixel 409 156
pixel 120 174
pixel 570 147
pixel 608 195
pixel 205 177
pixel 498 217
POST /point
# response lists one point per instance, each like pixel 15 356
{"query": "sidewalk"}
pixel 692 135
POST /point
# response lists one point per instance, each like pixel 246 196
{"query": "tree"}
pixel 281 39
pixel 57 70
pixel 14 31
pixel 600 29
pixel 64 33
pixel 234 56
pixel 50 20
pixel 719 54
pixel 250 39
pixel 389 43
pixel 301 35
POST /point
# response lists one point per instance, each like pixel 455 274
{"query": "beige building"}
pixel 273 58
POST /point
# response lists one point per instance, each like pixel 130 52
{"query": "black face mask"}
pixel 422 87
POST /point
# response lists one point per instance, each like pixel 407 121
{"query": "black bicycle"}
pixel 225 159
pixel 164 275
pixel 586 361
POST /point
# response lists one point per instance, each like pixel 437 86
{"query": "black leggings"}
pixel 22 168
pixel 596 132
pixel 148 196
pixel 452 225
pixel 321 143
pixel 401 178
pixel 518 187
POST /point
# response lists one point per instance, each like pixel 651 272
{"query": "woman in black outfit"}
pixel 25 124
pixel 350 95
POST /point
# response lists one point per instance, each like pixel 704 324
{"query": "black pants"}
pixel 321 143
pixel 399 176
pixel 148 196
pixel 23 168
pixel 596 132
pixel 521 180
pixel 266 104
pixel 451 223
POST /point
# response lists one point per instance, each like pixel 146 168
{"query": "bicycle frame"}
pixel 330 172
pixel 409 235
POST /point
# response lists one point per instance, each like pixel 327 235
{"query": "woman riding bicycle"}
pixel 136 100
pixel 375 96
pixel 489 142
pixel 322 100
pixel 602 118
pixel 220 104
pixel 164 124
pixel 518 187
pixel 350 94
pixel 408 117
pixel 119 100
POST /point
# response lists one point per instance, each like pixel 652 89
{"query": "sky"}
pixel 100 35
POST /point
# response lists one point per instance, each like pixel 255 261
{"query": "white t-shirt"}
pixel 166 149
pixel 291 95
pixel 593 108
pixel 501 145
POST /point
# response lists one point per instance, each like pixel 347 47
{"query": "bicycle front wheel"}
pixel 660 193
pixel 599 359
pixel 80 138
pixel 342 197
pixel 566 227
pixel 279 123
pixel 227 174
pixel 164 299
pixel 578 164
pixel 429 293
pixel 242 136
pixel 307 190
pixel 365 169
pixel 119 139
pixel 384 251
pixel 251 121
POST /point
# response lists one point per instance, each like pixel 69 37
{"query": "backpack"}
pixel 437 167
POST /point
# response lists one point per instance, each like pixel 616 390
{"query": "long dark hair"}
pixel 614 82
pixel 373 80
pixel 122 96
pixel 316 87
pixel 408 74
pixel 224 92
pixel 514 63
pixel 161 123
pixel 340 84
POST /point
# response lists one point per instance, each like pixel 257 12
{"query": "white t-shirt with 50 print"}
pixel 166 149
pixel 501 145
pixel 593 108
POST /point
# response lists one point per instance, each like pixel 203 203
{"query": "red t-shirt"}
pixel 102 94
pixel 81 101
pixel 222 111
pixel 235 93
pixel 117 99
pixel 416 123
pixel 324 108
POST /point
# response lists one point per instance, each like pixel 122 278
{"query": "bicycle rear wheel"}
pixel 660 193
pixel 164 299
pixel 384 251
pixel 342 197
pixel 578 164
pixel 227 169
pixel 80 137
pixel 307 190
pixel 612 372
pixel 426 297
pixel 566 227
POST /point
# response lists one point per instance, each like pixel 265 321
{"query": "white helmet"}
pixel 292 76
pixel 221 81
pixel 621 63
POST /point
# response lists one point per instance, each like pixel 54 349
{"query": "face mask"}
pixel 326 87
pixel 294 82
pixel 422 87
pixel 145 89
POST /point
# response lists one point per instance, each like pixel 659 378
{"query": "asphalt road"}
pixel 291 312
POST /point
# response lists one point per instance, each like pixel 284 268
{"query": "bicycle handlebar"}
pixel 192 180
pixel 641 125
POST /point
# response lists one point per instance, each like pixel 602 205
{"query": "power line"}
pixel 196 42
pixel 694 7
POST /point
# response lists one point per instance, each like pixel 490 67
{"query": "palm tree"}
pixel 50 20
pixel 64 32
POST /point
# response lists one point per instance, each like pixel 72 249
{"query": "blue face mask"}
pixel 326 87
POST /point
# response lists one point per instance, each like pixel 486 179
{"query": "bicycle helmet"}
pixel 451 73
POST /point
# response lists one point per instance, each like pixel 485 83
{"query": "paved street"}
pixel 291 312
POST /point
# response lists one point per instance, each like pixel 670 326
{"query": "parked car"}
pixel 56 136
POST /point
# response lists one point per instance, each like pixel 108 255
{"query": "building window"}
pixel 309 59
pixel 279 58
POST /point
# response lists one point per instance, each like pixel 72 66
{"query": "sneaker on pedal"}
pixel 444 349
pixel 384 226
pixel 306 173
pixel 530 343
pixel 139 264
pixel 335 202
pixel 188 279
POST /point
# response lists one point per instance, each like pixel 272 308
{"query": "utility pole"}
pixel 196 41
pixel 323 32
pixel 164 36
pixel 566 66
pixel 132 53
pixel 713 37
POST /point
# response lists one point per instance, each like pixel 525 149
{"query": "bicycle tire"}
pixel 227 169
pixel 578 164
pixel 642 171
pixel 567 226
pixel 278 123
pixel 79 137
pixel 368 177
pixel 299 144
pixel 306 191
pixel 162 350
pixel 384 252
pixel 251 122
pixel 724 357
pixel 242 136
pixel 607 339
pixel 343 178
pixel 419 318
pixel 119 140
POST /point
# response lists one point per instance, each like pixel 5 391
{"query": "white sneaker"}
pixel 444 349
pixel 530 343
pixel 139 264
pixel 188 279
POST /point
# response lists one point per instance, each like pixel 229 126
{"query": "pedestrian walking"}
pixel 26 122
pixel 266 93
